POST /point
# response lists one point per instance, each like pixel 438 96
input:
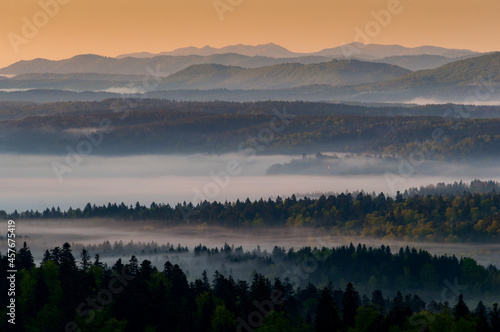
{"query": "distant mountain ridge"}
pixel 243 78
pixel 352 50
pixel 267 50
pixel 162 65
pixel 216 76
pixel 237 55
pixel 377 51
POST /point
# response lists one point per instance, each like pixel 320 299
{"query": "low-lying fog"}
pixel 47 234
pixel 30 182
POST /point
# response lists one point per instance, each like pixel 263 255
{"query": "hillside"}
pixel 417 62
pixel 459 73
pixel 333 73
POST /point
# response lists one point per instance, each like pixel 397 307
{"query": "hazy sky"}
pixel 113 27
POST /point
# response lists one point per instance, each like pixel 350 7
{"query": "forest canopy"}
pixel 445 215
pixel 63 294
pixel 440 132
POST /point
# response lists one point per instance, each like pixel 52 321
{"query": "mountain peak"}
pixel 88 56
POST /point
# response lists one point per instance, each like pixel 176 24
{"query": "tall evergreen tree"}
pixel 378 301
pixel 481 318
pixel 460 310
pixel 495 318
pixel 397 314
pixel 350 303
pixel 25 258
pixel 327 315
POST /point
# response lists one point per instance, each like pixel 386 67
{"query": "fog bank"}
pixel 29 182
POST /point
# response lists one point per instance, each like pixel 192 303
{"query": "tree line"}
pixel 438 217
pixel 368 268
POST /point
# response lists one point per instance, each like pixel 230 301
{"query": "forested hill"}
pixel 474 71
pixel 453 218
pixel 333 73
pixel 163 127
pixel 17 110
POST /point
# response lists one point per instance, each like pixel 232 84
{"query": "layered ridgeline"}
pixel 474 80
pixel 471 80
pixel 163 65
pixel 238 55
pixel 213 76
pixel 235 77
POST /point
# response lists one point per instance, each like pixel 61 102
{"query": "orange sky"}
pixel 112 27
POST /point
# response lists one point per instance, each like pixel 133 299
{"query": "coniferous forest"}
pixel 414 215
pixel 341 288
pixel 135 126
pixel 64 293
pixel 305 186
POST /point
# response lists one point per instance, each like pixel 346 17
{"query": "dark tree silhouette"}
pixel 460 310
pixel 350 304
pixel 327 316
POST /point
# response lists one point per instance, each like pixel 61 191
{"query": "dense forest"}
pixel 18 110
pixel 152 126
pixel 63 294
pixel 467 216
pixel 367 268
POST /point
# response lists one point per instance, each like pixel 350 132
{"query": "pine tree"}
pixel 378 301
pixel 481 318
pixel 25 258
pixel 327 316
pixel 495 318
pixel 85 263
pixel 460 310
pixel 350 305
pixel 66 259
pixel 397 315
